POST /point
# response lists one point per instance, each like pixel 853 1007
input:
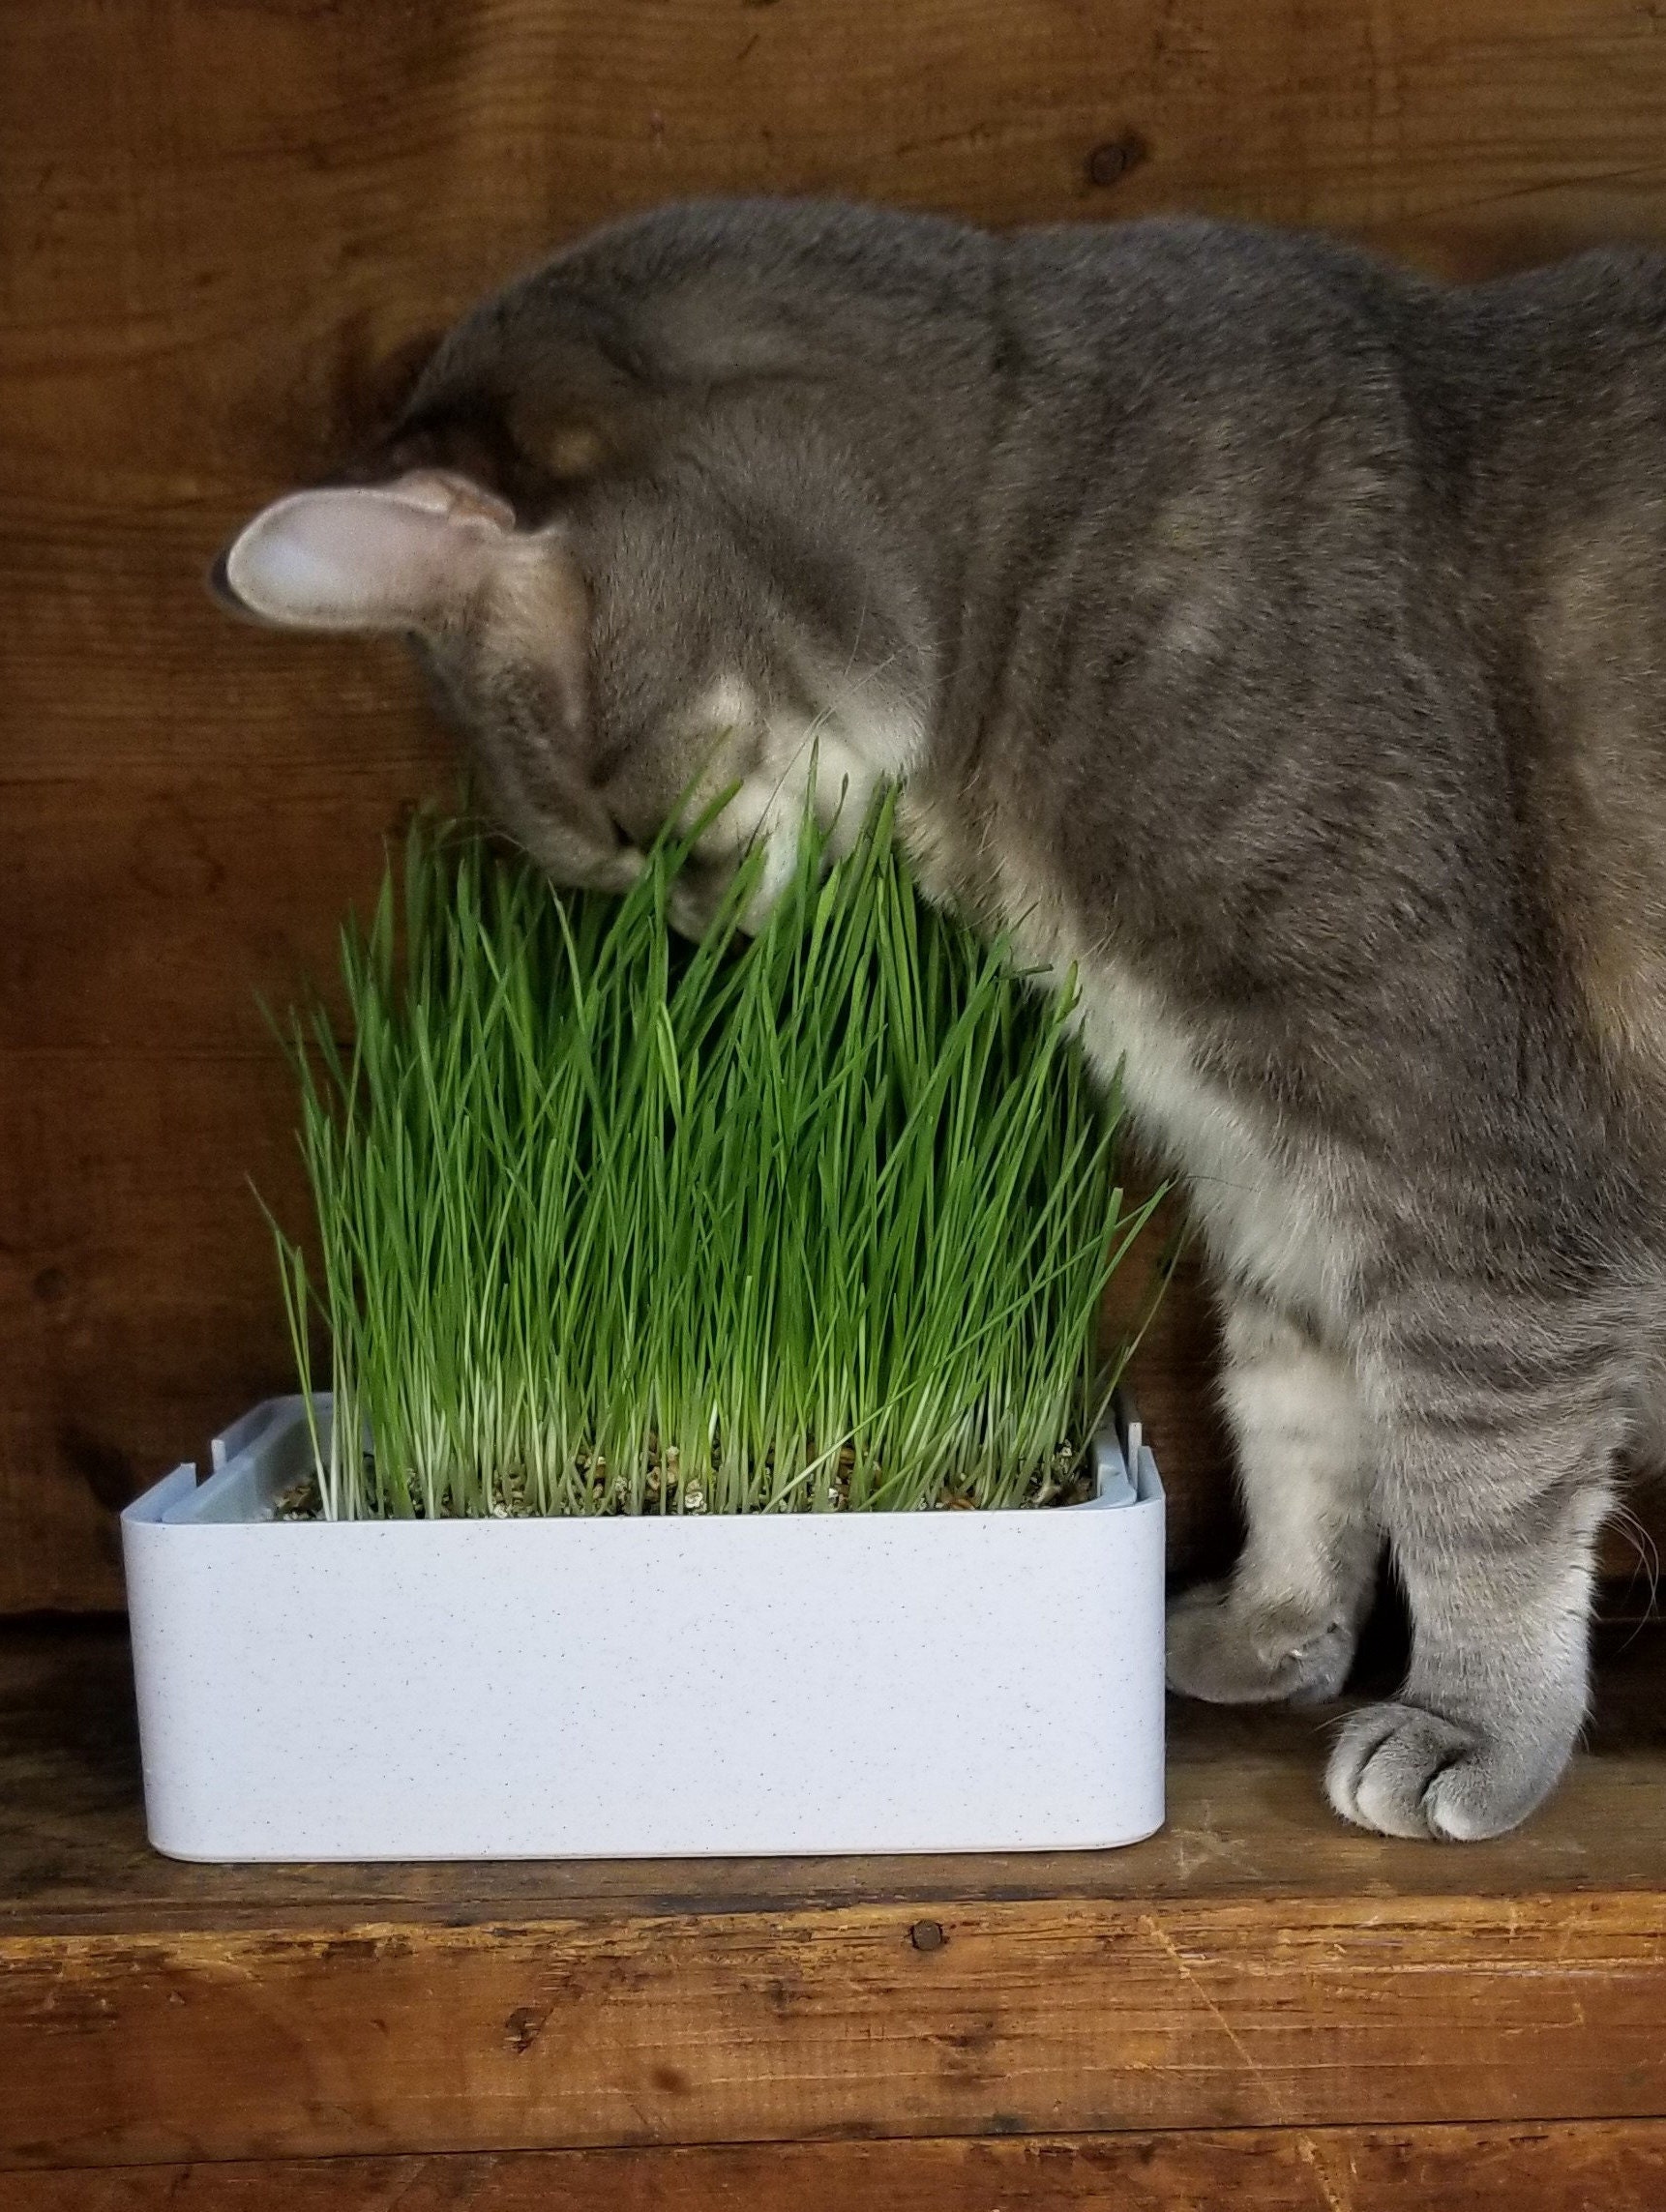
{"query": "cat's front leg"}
pixel 1493 1485
pixel 1285 1623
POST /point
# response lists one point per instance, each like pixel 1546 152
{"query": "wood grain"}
pixel 1245 1818
pixel 1587 2167
pixel 226 234
pixel 715 2027
pixel 1256 1964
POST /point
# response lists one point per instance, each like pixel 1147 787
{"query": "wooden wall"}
pixel 225 227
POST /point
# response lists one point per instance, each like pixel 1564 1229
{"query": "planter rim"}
pixel 262 1454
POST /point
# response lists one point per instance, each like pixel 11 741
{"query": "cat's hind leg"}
pixel 1285 1623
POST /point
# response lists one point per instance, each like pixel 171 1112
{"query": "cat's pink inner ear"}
pixel 447 491
pixel 407 555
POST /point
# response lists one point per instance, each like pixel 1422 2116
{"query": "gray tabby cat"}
pixel 1277 638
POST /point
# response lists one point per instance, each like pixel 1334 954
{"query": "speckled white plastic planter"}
pixel 554 1689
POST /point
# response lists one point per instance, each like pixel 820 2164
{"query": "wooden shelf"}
pixel 1256 1993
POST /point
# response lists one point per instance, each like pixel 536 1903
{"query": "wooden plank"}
pixel 186 901
pixel 1256 1964
pixel 1015 2018
pixel 225 236
pixel 136 1287
pixel 1587 2167
pixel 1245 1818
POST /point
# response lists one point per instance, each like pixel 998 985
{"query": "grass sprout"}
pixel 614 1222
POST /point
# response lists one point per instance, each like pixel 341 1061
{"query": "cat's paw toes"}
pixel 1405 1772
pixel 1230 1653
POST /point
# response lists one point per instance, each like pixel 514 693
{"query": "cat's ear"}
pixel 405 555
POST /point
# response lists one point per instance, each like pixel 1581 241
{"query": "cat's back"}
pixel 1167 476
pixel 1566 541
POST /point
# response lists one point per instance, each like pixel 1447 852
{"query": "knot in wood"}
pixel 1111 161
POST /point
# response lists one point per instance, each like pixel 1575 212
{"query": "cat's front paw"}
pixel 1405 1772
pixel 1229 1652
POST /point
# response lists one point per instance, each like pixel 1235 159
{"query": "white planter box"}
pixel 641 1687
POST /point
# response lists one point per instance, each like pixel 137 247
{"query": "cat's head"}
pixel 625 606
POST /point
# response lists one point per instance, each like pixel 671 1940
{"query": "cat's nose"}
pixel 619 870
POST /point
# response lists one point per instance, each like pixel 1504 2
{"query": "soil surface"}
pixel 1068 1481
